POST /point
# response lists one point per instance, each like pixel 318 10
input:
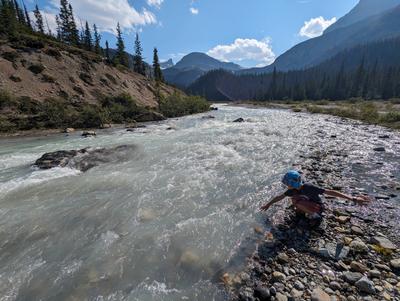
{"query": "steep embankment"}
pixel 45 84
pixel 48 72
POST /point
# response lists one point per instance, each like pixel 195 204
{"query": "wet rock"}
pixel 69 130
pixel 365 285
pixel 352 277
pixel 84 159
pixel 334 251
pixel 379 149
pixel 318 294
pixel 88 134
pixel 262 293
pixel 382 197
pixel 57 159
pixel 395 264
pixel 213 109
pixel 383 242
pixel 208 117
pixel 239 120
pixel 358 246
pixel 384 136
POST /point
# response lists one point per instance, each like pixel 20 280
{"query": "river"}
pixel 163 221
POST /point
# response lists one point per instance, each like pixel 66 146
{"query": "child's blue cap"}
pixel 293 179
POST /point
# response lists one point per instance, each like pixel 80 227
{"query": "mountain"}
pixel 364 9
pixel 370 71
pixel 193 66
pixel 314 51
pixel 167 64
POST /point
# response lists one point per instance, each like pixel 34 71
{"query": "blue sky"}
pixel 248 32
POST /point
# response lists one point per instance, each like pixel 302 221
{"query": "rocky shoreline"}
pixel 353 256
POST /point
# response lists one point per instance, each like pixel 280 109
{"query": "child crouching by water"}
pixel 306 198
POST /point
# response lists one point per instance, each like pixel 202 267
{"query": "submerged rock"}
pixel 239 120
pixel 57 159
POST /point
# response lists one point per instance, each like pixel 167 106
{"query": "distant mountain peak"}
pixel 167 64
pixel 363 10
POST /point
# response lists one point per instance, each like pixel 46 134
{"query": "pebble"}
pixel 335 285
pixel 296 293
pixel 357 230
pixel 352 277
pixel 365 285
pixel 375 274
pixel 379 149
pixel 263 294
pixel 334 251
pixel 386 296
pixel 280 297
pixel 395 263
pixel 358 267
pixel 283 258
pixel 299 286
pixel 358 246
pixel 318 294
pixel 383 242
pixel 343 219
pixel 278 276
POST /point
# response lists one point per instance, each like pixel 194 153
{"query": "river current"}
pixel 162 222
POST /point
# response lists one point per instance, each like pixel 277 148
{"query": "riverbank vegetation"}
pixel 385 113
pixel 25 113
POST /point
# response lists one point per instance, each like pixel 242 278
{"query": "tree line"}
pixel 370 71
pixel 16 20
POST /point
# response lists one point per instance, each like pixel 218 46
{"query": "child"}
pixel 306 197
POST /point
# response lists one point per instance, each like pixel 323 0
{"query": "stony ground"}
pixel 352 255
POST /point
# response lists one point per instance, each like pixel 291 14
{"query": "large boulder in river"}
pixel 57 159
pixel 85 159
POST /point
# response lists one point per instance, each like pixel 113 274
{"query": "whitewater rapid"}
pixel 162 223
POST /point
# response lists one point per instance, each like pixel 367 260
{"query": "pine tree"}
pixel 28 18
pixel 87 38
pixel 69 32
pixel 107 52
pixel 39 20
pixel 97 39
pixel 8 19
pixel 74 32
pixel 138 64
pixel 20 13
pixel 120 57
pixel 158 76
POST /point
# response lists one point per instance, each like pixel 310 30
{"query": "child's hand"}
pixel 362 200
pixel 265 207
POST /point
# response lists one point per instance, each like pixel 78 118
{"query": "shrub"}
pixel 15 78
pixel 179 105
pixel 390 117
pixel 90 117
pixel 36 68
pixel 368 112
pixel 11 56
pixel 86 78
pixel 54 53
pixel 122 108
pixel 6 100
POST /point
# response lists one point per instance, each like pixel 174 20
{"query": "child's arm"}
pixel 273 201
pixel 361 200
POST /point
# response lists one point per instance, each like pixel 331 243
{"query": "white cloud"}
pixel 155 3
pixel 106 13
pixel 245 50
pixel 194 11
pixel 315 27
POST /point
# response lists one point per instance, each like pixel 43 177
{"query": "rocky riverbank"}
pixel 353 255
